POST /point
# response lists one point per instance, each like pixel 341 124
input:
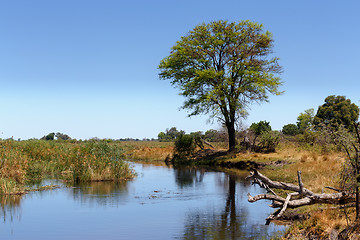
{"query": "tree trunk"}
pixel 357 202
pixel 305 196
pixel 232 135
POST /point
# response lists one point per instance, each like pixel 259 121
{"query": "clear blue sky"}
pixel 89 67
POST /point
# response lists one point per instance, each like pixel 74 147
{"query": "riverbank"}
pixel 319 168
pixel 25 162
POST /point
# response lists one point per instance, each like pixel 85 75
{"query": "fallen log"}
pixel 303 196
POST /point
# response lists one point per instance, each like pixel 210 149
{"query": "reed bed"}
pixel 25 162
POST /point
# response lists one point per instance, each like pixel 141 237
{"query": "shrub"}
pixel 269 140
pixel 185 145
pixel 290 129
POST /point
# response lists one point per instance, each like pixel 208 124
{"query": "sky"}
pixel 89 68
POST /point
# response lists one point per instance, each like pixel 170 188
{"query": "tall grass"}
pixel 25 162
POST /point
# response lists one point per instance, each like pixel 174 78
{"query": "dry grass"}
pixel 153 154
pixel 147 150
pixel 322 224
pixel 318 169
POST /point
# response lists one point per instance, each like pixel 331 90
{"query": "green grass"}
pixel 25 162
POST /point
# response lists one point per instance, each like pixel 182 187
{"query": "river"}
pixel 160 203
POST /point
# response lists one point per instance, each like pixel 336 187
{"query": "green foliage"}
pixel 337 111
pixel 50 136
pixel 185 145
pixel 222 67
pixel 305 120
pixel 269 140
pixel 62 136
pixel 290 129
pixel 28 161
pixel 309 137
pixel 211 135
pixel 260 127
pixel 169 135
pixel 349 140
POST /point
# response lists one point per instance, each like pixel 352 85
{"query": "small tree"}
pixel 184 145
pixel 305 120
pixel 290 129
pixel 260 127
pixel 350 141
pixel 169 134
pixel 50 136
pixel 268 141
pixel 62 136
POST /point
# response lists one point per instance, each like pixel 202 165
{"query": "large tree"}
pixel 222 67
pixel 337 110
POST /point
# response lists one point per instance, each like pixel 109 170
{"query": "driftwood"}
pixel 303 195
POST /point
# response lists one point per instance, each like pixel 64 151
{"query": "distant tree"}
pixel 221 68
pixel 290 129
pixel 260 127
pixel 211 135
pixel 172 133
pixel 169 134
pixel 162 136
pixel 50 136
pixel 305 120
pixel 62 136
pixel 336 111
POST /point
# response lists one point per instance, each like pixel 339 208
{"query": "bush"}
pixel 185 145
pixel 290 129
pixel 260 127
pixel 269 140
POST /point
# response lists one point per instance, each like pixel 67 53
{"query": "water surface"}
pixel 161 203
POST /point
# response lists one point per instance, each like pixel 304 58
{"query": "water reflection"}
pixel 100 193
pixel 161 203
pixel 186 177
pixel 230 222
pixel 10 207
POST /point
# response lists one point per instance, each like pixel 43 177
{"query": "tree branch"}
pixel 307 197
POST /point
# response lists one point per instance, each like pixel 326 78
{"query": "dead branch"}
pixel 303 195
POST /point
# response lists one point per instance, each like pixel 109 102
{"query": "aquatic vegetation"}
pixel 29 161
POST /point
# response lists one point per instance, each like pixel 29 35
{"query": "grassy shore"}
pixel 25 162
pixel 320 167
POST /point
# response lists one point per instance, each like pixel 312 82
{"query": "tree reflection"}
pixel 10 207
pixel 101 193
pixel 229 222
pixel 187 177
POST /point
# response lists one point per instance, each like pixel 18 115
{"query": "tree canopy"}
pixel 337 110
pixel 169 134
pixel 305 120
pixel 260 127
pixel 290 129
pixel 222 67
